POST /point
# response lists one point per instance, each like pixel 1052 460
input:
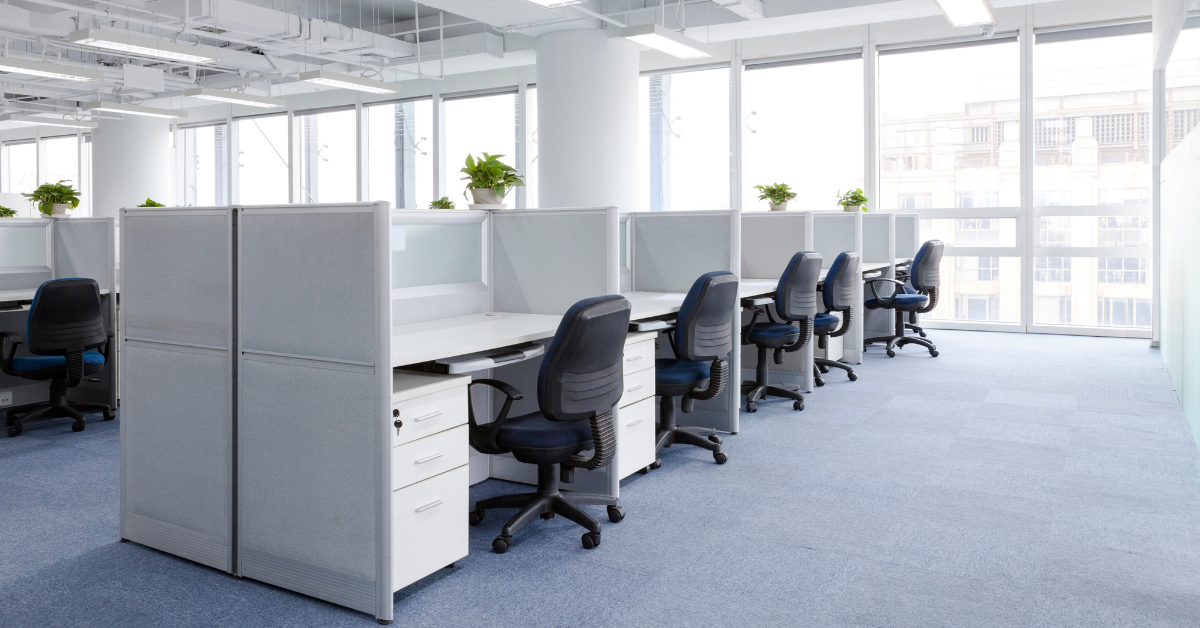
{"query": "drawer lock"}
pixel 398 423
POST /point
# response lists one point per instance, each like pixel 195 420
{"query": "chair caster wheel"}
pixel 475 517
pixel 720 457
pixel 78 426
pixel 823 369
pixel 715 439
pixel 644 470
pixel 109 415
pixel 797 405
pixel 819 382
pixel 656 464
pixel 852 377
pixel 590 539
pixel 501 544
pixel 616 514
pixel 750 407
pixel 933 354
pixel 891 354
pixel 385 622
pixel 14 430
pixel 547 516
pixel 923 335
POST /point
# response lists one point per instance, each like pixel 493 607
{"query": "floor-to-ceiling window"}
pixel 18 168
pixel 399 138
pixel 950 149
pixel 686 147
pixel 262 160
pixel 327 149
pixel 28 163
pixel 204 174
pixel 1092 180
pixel 475 125
pixel 1183 87
pixel 803 125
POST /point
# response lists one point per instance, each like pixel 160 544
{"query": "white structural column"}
pixel 587 120
pixel 131 161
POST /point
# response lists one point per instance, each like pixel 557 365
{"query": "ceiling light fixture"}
pixel 206 93
pixel 17 118
pixel 146 46
pixel 554 4
pixel 137 110
pixel 666 40
pixel 48 70
pixel 346 81
pixel 967 12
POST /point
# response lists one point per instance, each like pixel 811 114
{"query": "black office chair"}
pixel 702 337
pixel 838 296
pixel 795 301
pixel 911 325
pixel 579 383
pixel 919 295
pixel 67 336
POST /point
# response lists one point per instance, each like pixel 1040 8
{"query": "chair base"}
pixel 546 503
pixel 899 339
pixel 668 433
pixel 759 389
pixel 58 407
pixel 822 365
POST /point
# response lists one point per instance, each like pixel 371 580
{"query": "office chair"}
pixel 837 296
pixel 702 337
pixel 920 295
pixel 795 301
pixel 579 383
pixel 64 330
pixel 902 275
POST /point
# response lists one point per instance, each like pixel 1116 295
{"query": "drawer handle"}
pixel 633 359
pixel 429 458
pixel 433 504
pixel 634 423
pixel 428 416
pixel 634 389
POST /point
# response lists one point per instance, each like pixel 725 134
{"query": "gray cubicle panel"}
pixel 26 253
pixel 908 235
pixel 670 251
pixel 314 373
pixel 833 233
pixel 879 246
pixel 176 337
pixel 439 264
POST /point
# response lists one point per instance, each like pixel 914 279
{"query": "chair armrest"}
pixel 887 303
pixel 484 439
pixel 6 359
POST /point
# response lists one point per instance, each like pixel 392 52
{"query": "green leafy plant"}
pixel 151 203
pixel 778 193
pixel 442 203
pixel 48 195
pixel 489 172
pixel 6 212
pixel 852 198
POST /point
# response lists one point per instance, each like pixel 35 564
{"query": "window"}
pixel 1123 231
pixel 399 140
pixel 1183 87
pixel 1122 312
pixel 201 151
pixel 950 132
pixel 688 139
pixel 475 125
pixel 1052 269
pixel 263 160
pixel 85 177
pixel 1054 231
pixel 530 191
pixel 815 145
pixel 20 166
pixel 982 307
pixel 1122 270
pixel 1052 310
pixel 328 163
pixel 971 231
pixel 977 231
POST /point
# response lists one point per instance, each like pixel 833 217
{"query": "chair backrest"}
pixel 704 326
pixel 581 372
pixel 925 274
pixel 796 294
pixel 65 317
pixel 838 293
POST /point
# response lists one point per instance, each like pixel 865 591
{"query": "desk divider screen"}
pixel 833 233
pixel 908 235
pixel 314 373
pixel 438 264
pixel 879 246
pixel 25 253
pixel 177 331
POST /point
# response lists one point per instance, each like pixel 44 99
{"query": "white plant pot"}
pixel 851 208
pixel 58 210
pixel 487 196
pixel 782 207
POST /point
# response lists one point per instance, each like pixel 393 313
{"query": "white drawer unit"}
pixel 635 433
pixel 429 456
pixel 426 404
pixel 638 386
pixel 639 352
pixel 429 526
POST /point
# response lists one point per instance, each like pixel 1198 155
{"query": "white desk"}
pixel 28 294
pixel 460 335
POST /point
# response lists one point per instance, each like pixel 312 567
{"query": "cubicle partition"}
pixel 908 235
pixel 878 247
pixel 833 233
pixel 26 251
pixel 669 251
pixel 439 262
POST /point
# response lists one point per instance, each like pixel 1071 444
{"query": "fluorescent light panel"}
pixel 145 46
pixel 967 12
pixel 137 110
pixel 666 40
pixel 218 95
pixel 554 4
pixel 17 118
pixel 48 70
pixel 346 81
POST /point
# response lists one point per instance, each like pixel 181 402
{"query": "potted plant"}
pixel 489 180
pixel 852 201
pixel 442 203
pixel 54 199
pixel 777 195
pixel 151 203
pixel 7 213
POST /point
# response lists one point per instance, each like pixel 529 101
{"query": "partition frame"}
pixel 881 323
pixel 854 352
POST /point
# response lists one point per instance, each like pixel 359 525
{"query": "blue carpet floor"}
pixel 1014 481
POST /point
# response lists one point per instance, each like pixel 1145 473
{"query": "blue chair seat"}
pixel 774 335
pixel 535 439
pixel 906 302
pixel 673 378
pixel 46 367
pixel 825 323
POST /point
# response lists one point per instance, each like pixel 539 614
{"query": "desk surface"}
pixel 26 295
pixel 460 335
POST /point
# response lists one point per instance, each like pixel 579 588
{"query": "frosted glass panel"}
pixel 433 255
pixel 23 246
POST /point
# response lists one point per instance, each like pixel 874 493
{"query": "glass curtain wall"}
pixel 399 140
pixel 202 153
pixel 18 171
pixel 263 160
pixel 26 164
pixel 686 147
pixel 476 125
pixel 328 161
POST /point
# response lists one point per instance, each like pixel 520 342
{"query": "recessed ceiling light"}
pixel 666 40
pixel 121 41
pixel 218 95
pixel 17 118
pixel 346 81
pixel 137 110
pixel 967 12
pixel 49 70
